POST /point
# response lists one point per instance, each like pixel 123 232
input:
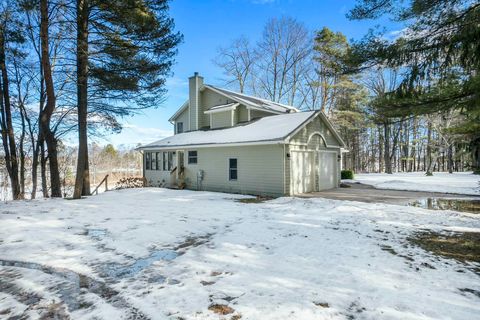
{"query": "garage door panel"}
pixel 302 173
pixel 327 167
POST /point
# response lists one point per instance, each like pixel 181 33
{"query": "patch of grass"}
pixel 472 291
pixel 258 199
pixel 321 304
pixel 221 309
pixel 389 249
pixel 462 246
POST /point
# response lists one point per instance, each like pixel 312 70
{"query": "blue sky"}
pixel 208 24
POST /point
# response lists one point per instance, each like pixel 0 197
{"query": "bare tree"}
pixel 237 62
pixel 283 52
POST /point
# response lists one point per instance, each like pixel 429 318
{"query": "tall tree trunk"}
pixel 475 151
pixel 386 152
pixel 46 115
pixel 22 157
pixel 8 134
pixel 381 143
pixel 82 180
pixel 35 153
pixel 429 150
pixel 412 166
pixel 43 169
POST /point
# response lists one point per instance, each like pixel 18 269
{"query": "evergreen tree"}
pixel 125 50
pixel 439 53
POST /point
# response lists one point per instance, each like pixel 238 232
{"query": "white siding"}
pixel 221 119
pixel 183 117
pixel 209 99
pixel 260 170
pixel 316 125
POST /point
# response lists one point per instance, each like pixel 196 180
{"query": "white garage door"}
pixel 327 166
pixel 302 176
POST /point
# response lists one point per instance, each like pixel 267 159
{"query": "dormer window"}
pixel 179 127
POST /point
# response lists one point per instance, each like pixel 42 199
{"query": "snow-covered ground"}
pixel 165 254
pixel 459 183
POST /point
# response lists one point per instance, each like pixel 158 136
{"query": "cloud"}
pixel 133 135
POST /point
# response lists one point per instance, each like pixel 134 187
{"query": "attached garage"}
pixel 314 157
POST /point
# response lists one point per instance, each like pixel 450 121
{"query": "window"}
pixel 158 161
pixel 192 157
pixel 232 169
pixel 147 160
pixel 154 161
pixel 164 158
pixel 179 127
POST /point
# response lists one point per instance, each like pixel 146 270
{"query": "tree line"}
pixel 71 66
pixel 404 104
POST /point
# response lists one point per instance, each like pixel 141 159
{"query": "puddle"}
pixel 117 271
pixel 461 205
pixel 96 233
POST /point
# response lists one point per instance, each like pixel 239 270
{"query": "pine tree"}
pixel 439 52
pixel 125 50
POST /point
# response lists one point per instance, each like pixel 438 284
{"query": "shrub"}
pixel 130 182
pixel 347 174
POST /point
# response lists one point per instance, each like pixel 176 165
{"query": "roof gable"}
pixel 253 102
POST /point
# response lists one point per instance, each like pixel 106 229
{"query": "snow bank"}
pixel 458 183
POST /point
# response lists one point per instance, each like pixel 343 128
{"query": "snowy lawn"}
pixel 459 183
pixel 163 254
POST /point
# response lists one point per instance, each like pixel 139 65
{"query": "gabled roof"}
pixel 270 129
pixel 179 111
pixel 253 102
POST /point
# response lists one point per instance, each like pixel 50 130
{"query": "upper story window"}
pixel 232 169
pixel 179 127
pixel 192 157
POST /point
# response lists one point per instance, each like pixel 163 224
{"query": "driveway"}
pixel 365 193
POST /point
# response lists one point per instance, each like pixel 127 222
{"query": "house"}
pixel 231 142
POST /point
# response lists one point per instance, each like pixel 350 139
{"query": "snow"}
pixel 281 259
pixel 458 183
pixel 272 128
pixel 256 102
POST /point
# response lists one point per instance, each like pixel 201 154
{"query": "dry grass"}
pixel 221 309
pixel 462 246
pixel 258 199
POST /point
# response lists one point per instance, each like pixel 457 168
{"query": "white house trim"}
pixel 210 145
pixel 222 108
